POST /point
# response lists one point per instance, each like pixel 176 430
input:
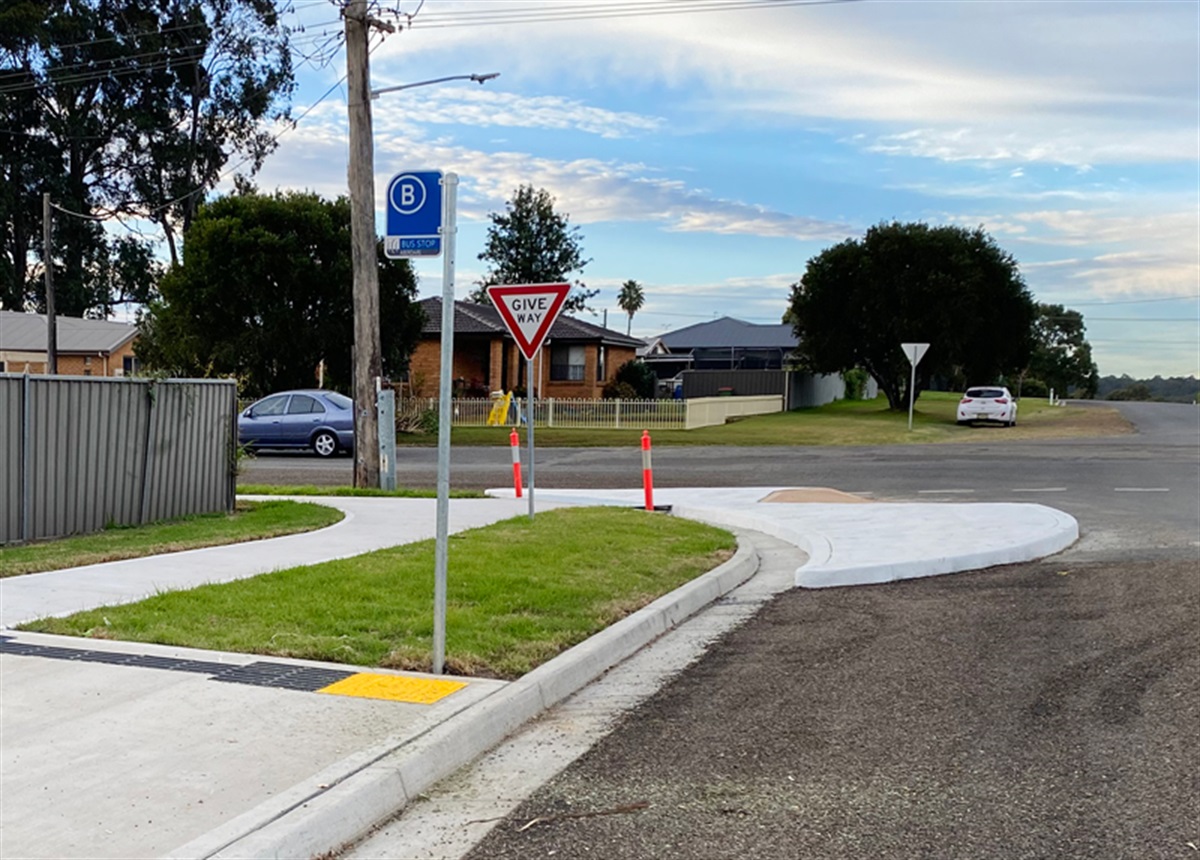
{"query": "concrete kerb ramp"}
pixel 866 543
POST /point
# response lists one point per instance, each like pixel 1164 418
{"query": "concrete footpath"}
pixel 114 749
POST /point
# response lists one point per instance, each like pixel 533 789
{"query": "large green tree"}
pixel 1062 358
pixel 952 288
pixel 530 243
pixel 125 109
pixel 264 292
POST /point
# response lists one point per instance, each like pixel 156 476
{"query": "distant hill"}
pixel 1182 389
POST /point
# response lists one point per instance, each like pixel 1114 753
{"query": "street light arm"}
pixel 478 78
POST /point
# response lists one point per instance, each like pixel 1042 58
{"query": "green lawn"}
pixel 844 422
pixel 519 592
pixel 249 521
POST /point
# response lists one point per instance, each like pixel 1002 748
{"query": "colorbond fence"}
pixel 79 453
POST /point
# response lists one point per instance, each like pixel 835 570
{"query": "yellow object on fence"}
pixel 500 404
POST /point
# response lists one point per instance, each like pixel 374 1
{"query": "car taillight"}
pixel 1001 400
pixel 965 400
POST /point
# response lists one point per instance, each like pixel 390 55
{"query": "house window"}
pixel 130 365
pixel 567 363
pixel 601 361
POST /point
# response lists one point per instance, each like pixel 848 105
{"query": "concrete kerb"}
pixel 364 796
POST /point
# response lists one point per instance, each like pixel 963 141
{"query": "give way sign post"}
pixel 529 311
pixel 914 352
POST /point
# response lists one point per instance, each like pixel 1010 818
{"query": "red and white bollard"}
pixel 516 452
pixel 647 471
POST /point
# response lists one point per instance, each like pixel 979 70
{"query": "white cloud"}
pixel 1115 253
pixel 1070 83
pixel 589 190
pixel 483 109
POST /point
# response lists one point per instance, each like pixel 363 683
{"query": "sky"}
pixel 708 149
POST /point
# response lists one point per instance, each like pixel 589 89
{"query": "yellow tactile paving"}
pixel 821 495
pixel 393 688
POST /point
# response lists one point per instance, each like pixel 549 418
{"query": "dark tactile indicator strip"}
pixel 261 673
pixel 264 674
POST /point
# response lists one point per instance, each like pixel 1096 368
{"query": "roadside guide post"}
pixel 647 471
pixel 914 352
pixel 421 222
pixel 515 442
pixel 529 310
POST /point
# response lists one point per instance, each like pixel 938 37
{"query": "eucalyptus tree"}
pixel 129 110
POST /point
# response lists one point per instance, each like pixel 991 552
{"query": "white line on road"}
pixel 935 492
pixel 1141 489
pixel 1039 489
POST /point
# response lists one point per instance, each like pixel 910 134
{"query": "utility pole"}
pixel 368 363
pixel 48 263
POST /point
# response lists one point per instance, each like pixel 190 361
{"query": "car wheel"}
pixel 324 444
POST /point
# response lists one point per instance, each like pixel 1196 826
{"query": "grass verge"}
pixel 249 521
pixel 519 592
pixel 844 422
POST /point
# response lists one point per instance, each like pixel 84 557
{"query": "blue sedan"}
pixel 316 419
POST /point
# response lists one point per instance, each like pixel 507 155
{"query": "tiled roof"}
pixel 729 332
pixel 471 318
pixel 27 333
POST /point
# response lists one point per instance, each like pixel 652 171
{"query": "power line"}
pixel 591 11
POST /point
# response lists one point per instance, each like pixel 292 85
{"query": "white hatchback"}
pixel 988 403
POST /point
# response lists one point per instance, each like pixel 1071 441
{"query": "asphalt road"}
pixel 1139 492
pixel 1031 711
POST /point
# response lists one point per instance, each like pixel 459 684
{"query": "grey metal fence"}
pixel 79 453
pixel 799 389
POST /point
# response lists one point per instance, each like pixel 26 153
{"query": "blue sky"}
pixel 710 154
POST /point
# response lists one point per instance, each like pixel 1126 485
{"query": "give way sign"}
pixel 529 310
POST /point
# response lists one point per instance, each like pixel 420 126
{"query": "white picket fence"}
pixel 563 412
pixel 612 414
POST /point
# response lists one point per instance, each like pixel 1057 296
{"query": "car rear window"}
pixel 341 401
pixel 302 404
pixel 985 392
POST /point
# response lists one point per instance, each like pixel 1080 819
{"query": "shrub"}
pixel 638 376
pixel 618 391
pixel 856 383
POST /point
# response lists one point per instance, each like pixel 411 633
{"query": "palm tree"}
pixel 631 298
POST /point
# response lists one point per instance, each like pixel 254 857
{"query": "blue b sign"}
pixel 414 214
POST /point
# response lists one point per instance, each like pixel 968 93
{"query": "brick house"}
pixel 85 347
pixel 576 360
